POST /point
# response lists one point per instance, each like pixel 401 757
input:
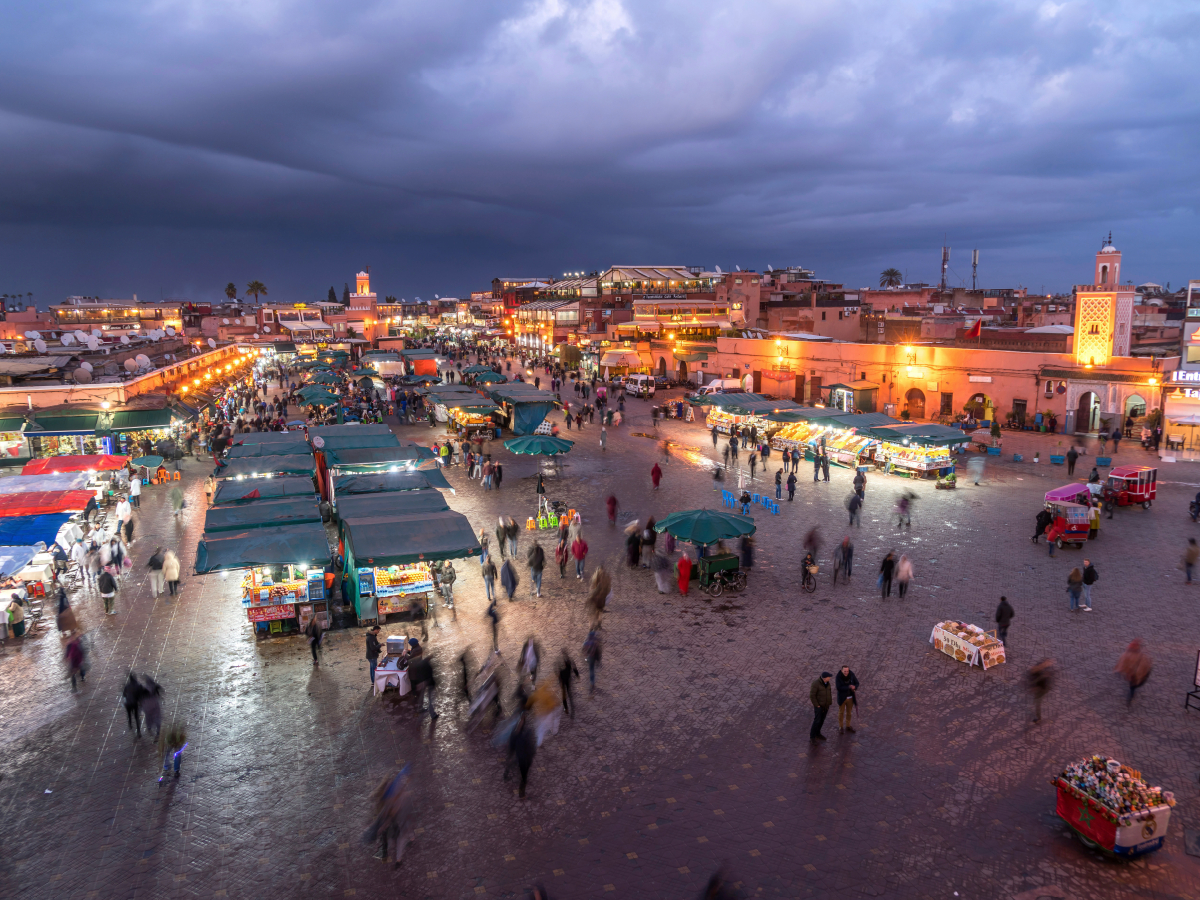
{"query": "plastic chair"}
pixel 774 509
pixel 530 524
pixel 756 498
pixel 177 476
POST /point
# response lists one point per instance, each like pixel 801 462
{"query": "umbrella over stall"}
pixel 705 526
pixel 541 445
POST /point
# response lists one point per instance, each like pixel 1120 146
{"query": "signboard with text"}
pixel 271 613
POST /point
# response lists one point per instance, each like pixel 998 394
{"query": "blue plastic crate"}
pixel 1017 457
pixel 1058 460
pixel 993 451
pixel 1104 460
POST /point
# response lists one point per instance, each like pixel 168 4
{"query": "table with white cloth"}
pixel 387 674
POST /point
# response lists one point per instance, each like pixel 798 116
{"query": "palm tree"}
pixel 231 291
pixel 256 288
pixel 891 278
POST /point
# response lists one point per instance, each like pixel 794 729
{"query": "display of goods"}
pixel 991 650
pixel 1119 789
pixel 797 432
pixel 394 578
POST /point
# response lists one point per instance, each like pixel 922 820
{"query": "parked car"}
pixel 639 385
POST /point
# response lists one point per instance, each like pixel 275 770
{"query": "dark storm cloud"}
pixel 172 146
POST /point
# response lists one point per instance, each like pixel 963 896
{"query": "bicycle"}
pixel 808 580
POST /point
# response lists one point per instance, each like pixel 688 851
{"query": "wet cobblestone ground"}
pixel 693 750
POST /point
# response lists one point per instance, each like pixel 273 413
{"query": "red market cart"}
pixel 1127 834
pixel 1130 485
pixel 1071 525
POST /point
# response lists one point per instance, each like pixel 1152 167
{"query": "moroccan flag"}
pixel 975 329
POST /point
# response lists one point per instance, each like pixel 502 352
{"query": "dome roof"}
pixel 1110 249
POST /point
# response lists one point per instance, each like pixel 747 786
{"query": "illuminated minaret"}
pixel 1103 311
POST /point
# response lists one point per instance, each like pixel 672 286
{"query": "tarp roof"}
pixel 41 502
pixel 361 456
pixel 927 433
pixel 273 448
pixel 466 401
pixel 375 482
pixel 74 464
pixel 24 530
pixel 349 428
pixel 358 441
pixel 393 503
pixel 32 365
pixel 304 544
pixel 396 540
pixel 863 421
pixel 859 385
pixel 288 511
pixel 290 464
pixel 259 489
pixel 514 395
pixel 24 484
pixel 139 419
pixel 60 422
pixel 14 559
pixel 270 437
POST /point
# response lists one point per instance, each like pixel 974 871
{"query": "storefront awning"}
pixel 304 544
pixel 287 511
pixel 10 424
pixel 617 358
pixel 694 356
pixel 49 425
pixel 284 347
pixel 141 419
pixel 399 540
pixel 854 386
pixel 262 489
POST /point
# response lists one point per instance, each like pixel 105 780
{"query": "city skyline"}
pixel 166 153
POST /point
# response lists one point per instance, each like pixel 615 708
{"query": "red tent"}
pixel 41 503
pixel 74 464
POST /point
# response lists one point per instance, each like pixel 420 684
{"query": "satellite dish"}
pixel 143 360
pixel 130 365
pixel 93 344
pixel 318 442
pixel 86 366
pixel 436 297
pixel 110 368
pixel 171 331
pixel 769 269
pixel 39 345
pixel 81 336
pixel 717 269
pixel 212 343
pixel 31 335
pixel 96 332
pixel 125 339
pixel 266 329
pixel 83 376
pixel 224 321
pixel 737 268
pixel 67 340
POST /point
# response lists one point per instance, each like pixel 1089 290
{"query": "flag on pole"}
pixel 976 330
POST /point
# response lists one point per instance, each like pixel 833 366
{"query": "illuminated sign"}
pixel 1181 376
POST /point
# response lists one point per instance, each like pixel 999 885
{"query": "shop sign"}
pixel 952 645
pixel 1179 375
pixel 271 613
pixel 660 296
pixel 980 379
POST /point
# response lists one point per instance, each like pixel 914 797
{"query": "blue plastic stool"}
pixel 756 498
pixel 774 509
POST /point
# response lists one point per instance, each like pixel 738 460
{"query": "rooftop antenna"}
pixel 974 266
pixel 945 266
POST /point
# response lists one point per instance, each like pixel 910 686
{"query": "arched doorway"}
pixel 1135 406
pixel 979 406
pixel 681 372
pixel 914 400
pixel 1087 415
pixel 662 366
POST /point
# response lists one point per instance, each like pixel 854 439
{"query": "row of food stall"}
pixel 848 439
pixel 82 432
pixel 267 520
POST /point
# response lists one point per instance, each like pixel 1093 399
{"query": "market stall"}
pixel 387 557
pixel 968 643
pixel 1112 808
pixel 469 414
pixel 39 503
pixel 130 428
pixel 63 432
pixel 387 482
pixel 283 585
pixel 917 449
pixel 235 491
pixel 60 464
pixel 240 516
pixel 268 466
pixel 524 406
pixel 26 530
pixel 25 484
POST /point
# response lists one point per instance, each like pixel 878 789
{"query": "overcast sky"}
pixel 166 147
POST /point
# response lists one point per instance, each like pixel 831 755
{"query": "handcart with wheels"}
pixel 721 571
pixel 1111 808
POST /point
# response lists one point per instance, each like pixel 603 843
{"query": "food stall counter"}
pixel 968 643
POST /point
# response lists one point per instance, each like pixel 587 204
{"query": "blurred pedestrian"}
pixel 567 671
pixel 655 475
pixel 611 504
pixel 1004 617
pixel 886 570
pixel 170 571
pixel 843 559
pixel 313 632
pixel 791 486
pixel 509 580
pixel 854 506
pixel 825 467
pixel 522 747
pixel 904 574
pixel 779 484
pixel 488 571
pixel 592 651
pixel 1190 556
pixel 1039 679
pixel 1134 666
pixel 155 565
pixel 820 695
pixel 493 615
pixel 598 594
pixel 420 676
pixel 579 551
pixel 661 566
pixel 683 572
pixel 1075 588
pixel 152 705
pixel 846 683
pixel 172 741
pixel 107 585
pixel 511 531
pixel 177 501
pixel 76 656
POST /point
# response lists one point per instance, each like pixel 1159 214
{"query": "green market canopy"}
pixel 395 503
pixel 353 441
pixel 705 526
pixel 269 437
pixel 400 539
pixel 304 544
pixel 362 458
pixel 488 377
pixel 256 451
pixel 925 434
pixel 324 431
pixel 260 489
pixel 270 513
pixel 383 482
pixel 292 464
pixel 538 445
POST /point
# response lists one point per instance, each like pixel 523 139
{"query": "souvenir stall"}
pixel 387 558
pixel 131 427
pixel 13 446
pixel 63 432
pixel 283 583
pixel 1112 808
pixel 524 406
pixel 968 644
pixel 470 414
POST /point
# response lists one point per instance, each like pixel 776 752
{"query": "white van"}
pixel 717 386
pixel 640 385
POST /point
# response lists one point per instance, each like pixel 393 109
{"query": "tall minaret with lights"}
pixel 1104 311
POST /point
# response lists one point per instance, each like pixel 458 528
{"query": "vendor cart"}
pixel 721 571
pixel 1129 832
pixel 1130 485
pixel 1071 525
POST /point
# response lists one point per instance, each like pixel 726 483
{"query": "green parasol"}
pixel 321 398
pixel 150 462
pixel 476 370
pixel 705 526
pixel 488 377
pixel 538 445
pixel 325 378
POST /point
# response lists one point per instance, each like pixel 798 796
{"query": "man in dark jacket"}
pixel 373 651
pixel 821 697
pixel 420 675
pixel 1004 615
pixel 1043 520
pixel 536 557
pixel 1072 456
pixel 846 683
pixel 1090 577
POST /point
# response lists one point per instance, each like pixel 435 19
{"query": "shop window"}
pixel 1193 354
pixel 822 315
pixel 947 403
